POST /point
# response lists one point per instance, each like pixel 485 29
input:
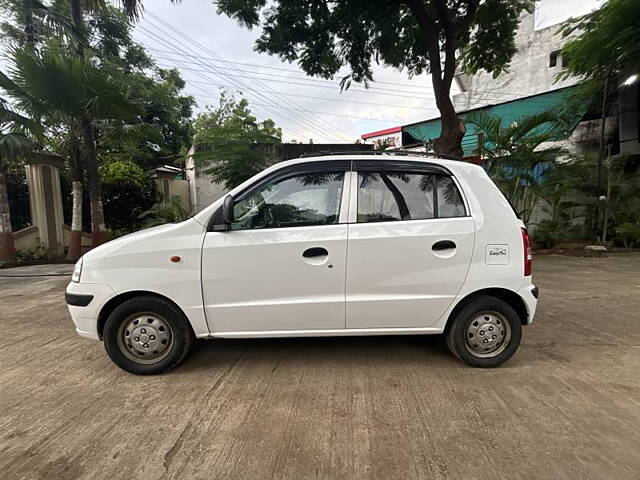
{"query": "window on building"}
pixel 553 58
pixel 565 60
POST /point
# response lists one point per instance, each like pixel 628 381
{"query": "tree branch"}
pixel 465 23
pixel 429 30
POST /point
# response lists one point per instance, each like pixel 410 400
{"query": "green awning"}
pixel 509 112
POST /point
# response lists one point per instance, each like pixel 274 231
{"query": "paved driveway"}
pixel 567 406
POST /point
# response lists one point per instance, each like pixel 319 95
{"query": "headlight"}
pixel 77 270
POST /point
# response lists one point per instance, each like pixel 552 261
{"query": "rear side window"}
pixel 392 196
pixel 450 202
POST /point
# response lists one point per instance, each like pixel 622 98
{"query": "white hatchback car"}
pixel 323 246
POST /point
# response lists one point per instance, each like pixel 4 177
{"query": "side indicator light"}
pixel 175 259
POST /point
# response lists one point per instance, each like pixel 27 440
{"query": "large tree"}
pixel 63 86
pixel 231 144
pixel 435 36
pixel 603 51
pixel 605 42
pixel 78 8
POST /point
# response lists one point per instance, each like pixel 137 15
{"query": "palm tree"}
pixel 514 154
pixel 78 92
pixel 133 10
pixel 15 146
pixel 29 20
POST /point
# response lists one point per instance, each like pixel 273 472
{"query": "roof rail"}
pixel 427 153
pixel 400 151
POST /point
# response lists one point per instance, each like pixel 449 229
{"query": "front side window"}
pixel 393 196
pixel 296 201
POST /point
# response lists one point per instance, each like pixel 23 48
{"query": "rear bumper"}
pixel 529 294
pixel 77 299
pixel 85 301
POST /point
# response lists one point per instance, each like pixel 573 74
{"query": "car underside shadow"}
pixel 347 351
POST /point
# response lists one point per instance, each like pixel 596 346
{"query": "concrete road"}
pixel 567 406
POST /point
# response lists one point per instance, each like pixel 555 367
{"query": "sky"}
pixel 214 52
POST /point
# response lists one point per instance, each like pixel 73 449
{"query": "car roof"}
pixel 407 157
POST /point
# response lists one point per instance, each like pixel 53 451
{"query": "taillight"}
pixel 528 254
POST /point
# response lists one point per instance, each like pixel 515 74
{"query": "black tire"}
pixel 457 331
pixel 181 335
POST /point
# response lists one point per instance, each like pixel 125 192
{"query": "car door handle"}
pixel 443 245
pixel 315 252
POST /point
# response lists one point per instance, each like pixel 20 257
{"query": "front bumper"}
pixel 85 317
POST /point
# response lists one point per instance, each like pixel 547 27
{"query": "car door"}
pixel 282 264
pixel 410 244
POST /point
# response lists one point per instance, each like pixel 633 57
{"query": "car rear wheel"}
pixel 485 333
pixel 147 335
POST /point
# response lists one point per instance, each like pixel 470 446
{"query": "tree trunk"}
pixel 78 23
pixel 453 129
pixel 29 29
pixel 7 245
pixel 433 26
pixel 75 240
pixel 98 227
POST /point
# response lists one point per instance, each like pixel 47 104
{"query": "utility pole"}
pixel 608 199
pixel 601 153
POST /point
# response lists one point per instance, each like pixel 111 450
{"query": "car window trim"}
pixel 356 165
pixel 330 166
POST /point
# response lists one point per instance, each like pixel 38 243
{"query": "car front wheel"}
pixel 147 335
pixel 485 333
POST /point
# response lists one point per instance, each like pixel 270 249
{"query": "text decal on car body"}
pixel 497 254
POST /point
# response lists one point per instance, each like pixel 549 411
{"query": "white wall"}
pixel 203 192
pixel 529 73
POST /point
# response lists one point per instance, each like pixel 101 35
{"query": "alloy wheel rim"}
pixel 487 334
pixel 145 338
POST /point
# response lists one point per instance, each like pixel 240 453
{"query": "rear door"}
pixel 410 244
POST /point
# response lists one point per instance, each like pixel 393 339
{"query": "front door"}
pixel 281 267
pixel 410 246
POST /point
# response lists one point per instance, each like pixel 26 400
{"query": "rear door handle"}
pixel 315 252
pixel 443 245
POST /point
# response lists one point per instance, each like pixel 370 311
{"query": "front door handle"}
pixel 443 245
pixel 315 252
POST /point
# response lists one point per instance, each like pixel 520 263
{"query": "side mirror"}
pixel 227 210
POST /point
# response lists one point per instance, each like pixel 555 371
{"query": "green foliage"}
pixel 128 192
pixel 231 144
pixel 606 42
pixel 48 82
pixel 123 171
pixel 514 157
pixel 163 129
pixel 559 199
pixel 15 142
pixel 624 201
pixel 35 256
pixel 162 213
pixel 324 36
pixel 419 36
pixel 27 22
pixel 18 196
pixel 629 233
